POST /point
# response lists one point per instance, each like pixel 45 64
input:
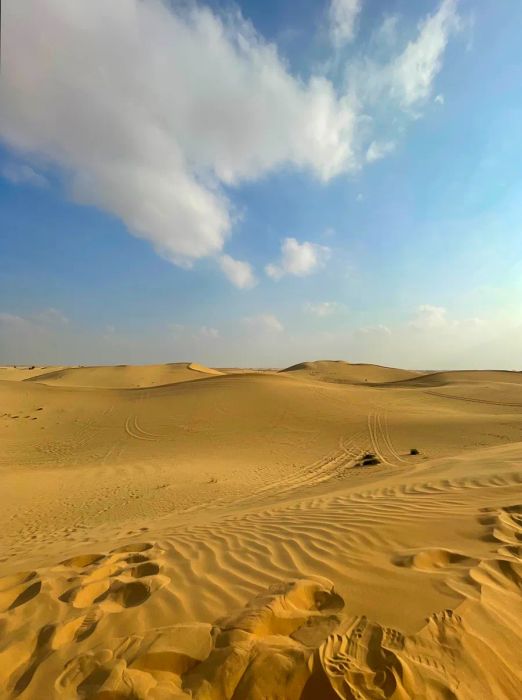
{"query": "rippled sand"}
pixel 173 531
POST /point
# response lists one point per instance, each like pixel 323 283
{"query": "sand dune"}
pixel 341 372
pixel 432 379
pixel 21 373
pixel 122 376
pixel 224 538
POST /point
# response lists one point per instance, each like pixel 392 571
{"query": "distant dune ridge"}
pixel 340 372
pixel 21 373
pixel 121 376
pixel 176 531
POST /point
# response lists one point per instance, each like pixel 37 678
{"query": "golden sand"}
pixel 173 531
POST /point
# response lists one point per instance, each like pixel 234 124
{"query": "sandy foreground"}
pixel 173 531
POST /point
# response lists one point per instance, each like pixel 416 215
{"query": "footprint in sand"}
pixel 270 642
pixel 18 589
pixel 434 560
pixel 49 638
pixel 134 547
pixel 86 674
pixel 124 578
pixel 98 584
pixel 76 630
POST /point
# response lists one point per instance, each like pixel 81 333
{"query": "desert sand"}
pixel 176 531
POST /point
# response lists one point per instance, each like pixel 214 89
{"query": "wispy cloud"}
pixel 264 323
pixel 21 174
pixel 25 338
pixel 40 319
pixel 428 316
pixel 321 308
pixel 7 319
pixel 377 330
pixel 208 332
pixel 402 77
pixel 51 316
pixel 414 70
pixel 386 35
pixel 342 15
pixel 436 318
pixel 377 150
pixel 180 330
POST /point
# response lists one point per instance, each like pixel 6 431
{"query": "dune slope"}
pixel 123 376
pixel 229 538
pixel 341 372
pixel 21 373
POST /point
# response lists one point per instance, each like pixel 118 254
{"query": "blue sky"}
pixel 261 183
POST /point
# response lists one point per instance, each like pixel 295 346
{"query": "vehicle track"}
pixel 133 429
pixel 473 400
pixel 380 440
pixel 386 433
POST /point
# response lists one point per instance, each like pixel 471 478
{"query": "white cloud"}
pixel 41 319
pixel 181 331
pixel 298 259
pixel 439 99
pixel 377 150
pixel 428 317
pixel 473 323
pixel 51 316
pixel 391 75
pixel 264 323
pixel 26 339
pixel 7 319
pixel 321 308
pixel 414 70
pixel 210 333
pixel 149 110
pixel 329 232
pixel 378 330
pixel 385 36
pixel 451 342
pixel 342 16
pixel 238 272
pixel 21 174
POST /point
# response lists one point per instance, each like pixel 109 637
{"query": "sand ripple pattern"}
pixel 289 642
